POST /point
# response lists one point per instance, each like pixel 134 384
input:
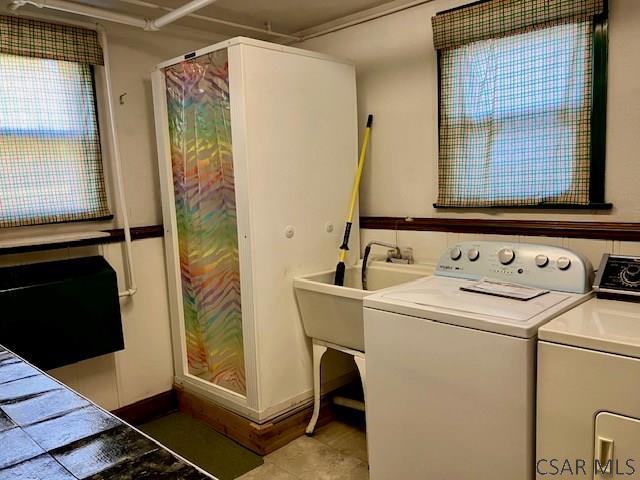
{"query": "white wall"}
pixel 397 82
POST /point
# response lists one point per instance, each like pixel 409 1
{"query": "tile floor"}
pixel 337 451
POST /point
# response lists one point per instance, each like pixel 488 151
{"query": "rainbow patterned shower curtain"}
pixel 202 160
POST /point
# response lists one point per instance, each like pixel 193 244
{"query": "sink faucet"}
pixel 393 253
pixel 396 254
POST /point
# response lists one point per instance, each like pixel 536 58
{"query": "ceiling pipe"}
pixel 78 9
pixel 102 14
pixel 266 31
pixel 178 13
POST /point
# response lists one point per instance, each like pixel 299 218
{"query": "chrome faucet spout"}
pixel 384 244
pixel 367 251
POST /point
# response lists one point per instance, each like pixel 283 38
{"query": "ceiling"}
pixel 285 16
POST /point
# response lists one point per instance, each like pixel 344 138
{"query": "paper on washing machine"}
pixel 504 289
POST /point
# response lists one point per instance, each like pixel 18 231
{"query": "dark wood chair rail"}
pixel 625 231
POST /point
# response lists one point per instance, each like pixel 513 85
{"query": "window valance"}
pixel 33 38
pixel 496 18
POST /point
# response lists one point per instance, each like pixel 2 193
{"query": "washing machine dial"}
pixel 631 275
pixel 456 253
pixel 506 256
pixel 542 260
pixel 563 263
pixel 473 254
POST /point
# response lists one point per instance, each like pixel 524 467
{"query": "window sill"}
pixel 79 240
pixel 539 206
pixel 44 240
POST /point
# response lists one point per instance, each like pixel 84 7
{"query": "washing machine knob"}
pixel 473 254
pixel 542 260
pixel 506 256
pixel 631 275
pixel 563 263
pixel 456 253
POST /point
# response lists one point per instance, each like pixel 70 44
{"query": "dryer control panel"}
pixel 618 276
pixel 540 266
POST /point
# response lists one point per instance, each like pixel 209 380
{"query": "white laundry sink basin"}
pixel 334 314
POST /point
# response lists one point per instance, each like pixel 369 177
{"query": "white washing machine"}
pixel 451 373
pixel 588 409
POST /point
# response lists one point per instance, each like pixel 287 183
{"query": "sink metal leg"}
pixel 318 353
pixel 361 364
pixel 362 368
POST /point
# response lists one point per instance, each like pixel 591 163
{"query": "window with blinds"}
pixel 517 101
pixel 50 158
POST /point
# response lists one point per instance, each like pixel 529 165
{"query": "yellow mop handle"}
pixel 356 188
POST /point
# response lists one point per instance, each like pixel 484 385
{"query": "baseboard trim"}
pixel 260 438
pixel 148 408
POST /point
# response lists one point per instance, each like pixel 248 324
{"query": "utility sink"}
pixel 334 314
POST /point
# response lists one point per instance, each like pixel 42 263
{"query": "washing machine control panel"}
pixel 540 266
pixel 618 275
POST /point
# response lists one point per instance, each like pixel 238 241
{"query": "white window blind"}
pixel 516 119
pixel 50 160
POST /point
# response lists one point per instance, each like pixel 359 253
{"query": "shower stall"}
pixel 257 147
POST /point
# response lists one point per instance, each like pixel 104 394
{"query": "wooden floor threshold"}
pixel 259 438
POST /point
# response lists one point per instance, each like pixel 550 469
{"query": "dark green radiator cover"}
pixel 58 313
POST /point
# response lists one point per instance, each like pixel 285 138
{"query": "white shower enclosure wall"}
pixel 257 148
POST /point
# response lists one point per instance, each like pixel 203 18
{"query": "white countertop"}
pixel 610 326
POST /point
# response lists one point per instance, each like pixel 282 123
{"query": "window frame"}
pixel 107 146
pixel 597 163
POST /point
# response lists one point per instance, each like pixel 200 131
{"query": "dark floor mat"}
pixel 202 445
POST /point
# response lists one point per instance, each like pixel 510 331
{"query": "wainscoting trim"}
pixel 592 230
